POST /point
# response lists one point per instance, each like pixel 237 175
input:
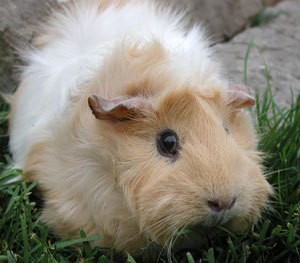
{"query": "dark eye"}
pixel 167 143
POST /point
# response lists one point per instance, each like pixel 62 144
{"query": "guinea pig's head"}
pixel 185 156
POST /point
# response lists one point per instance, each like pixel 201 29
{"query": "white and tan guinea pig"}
pixel 126 123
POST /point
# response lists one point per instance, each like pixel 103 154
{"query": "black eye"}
pixel 167 143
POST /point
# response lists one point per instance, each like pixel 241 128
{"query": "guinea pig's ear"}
pixel 239 97
pixel 120 109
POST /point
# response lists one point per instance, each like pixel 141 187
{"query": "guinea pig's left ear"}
pixel 239 97
pixel 120 109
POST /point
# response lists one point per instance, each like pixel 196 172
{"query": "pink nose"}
pixel 217 205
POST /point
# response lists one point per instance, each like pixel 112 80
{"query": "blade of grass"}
pixel 25 239
pixel 63 244
pixel 246 60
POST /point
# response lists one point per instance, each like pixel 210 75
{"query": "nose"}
pixel 217 205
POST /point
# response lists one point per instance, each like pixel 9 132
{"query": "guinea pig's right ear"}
pixel 239 97
pixel 120 109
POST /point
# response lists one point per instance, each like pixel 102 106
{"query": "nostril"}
pixel 232 203
pixel 214 205
pixel 218 205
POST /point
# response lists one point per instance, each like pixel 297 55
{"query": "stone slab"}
pixel 276 46
pixel 223 18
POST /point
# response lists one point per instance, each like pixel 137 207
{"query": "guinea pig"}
pixel 131 130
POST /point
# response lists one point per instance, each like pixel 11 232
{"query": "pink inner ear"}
pixel 119 109
pixel 240 97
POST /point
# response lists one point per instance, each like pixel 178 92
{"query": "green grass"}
pixel 263 17
pixel 23 238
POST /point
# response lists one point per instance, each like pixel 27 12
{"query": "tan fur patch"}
pixel 104 4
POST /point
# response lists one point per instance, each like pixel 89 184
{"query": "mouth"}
pixel 207 227
pixel 194 238
pixel 218 219
pixel 196 235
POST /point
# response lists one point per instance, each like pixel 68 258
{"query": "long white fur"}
pixel 86 36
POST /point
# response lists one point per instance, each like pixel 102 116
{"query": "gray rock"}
pixel 22 17
pixel 223 18
pixel 276 48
